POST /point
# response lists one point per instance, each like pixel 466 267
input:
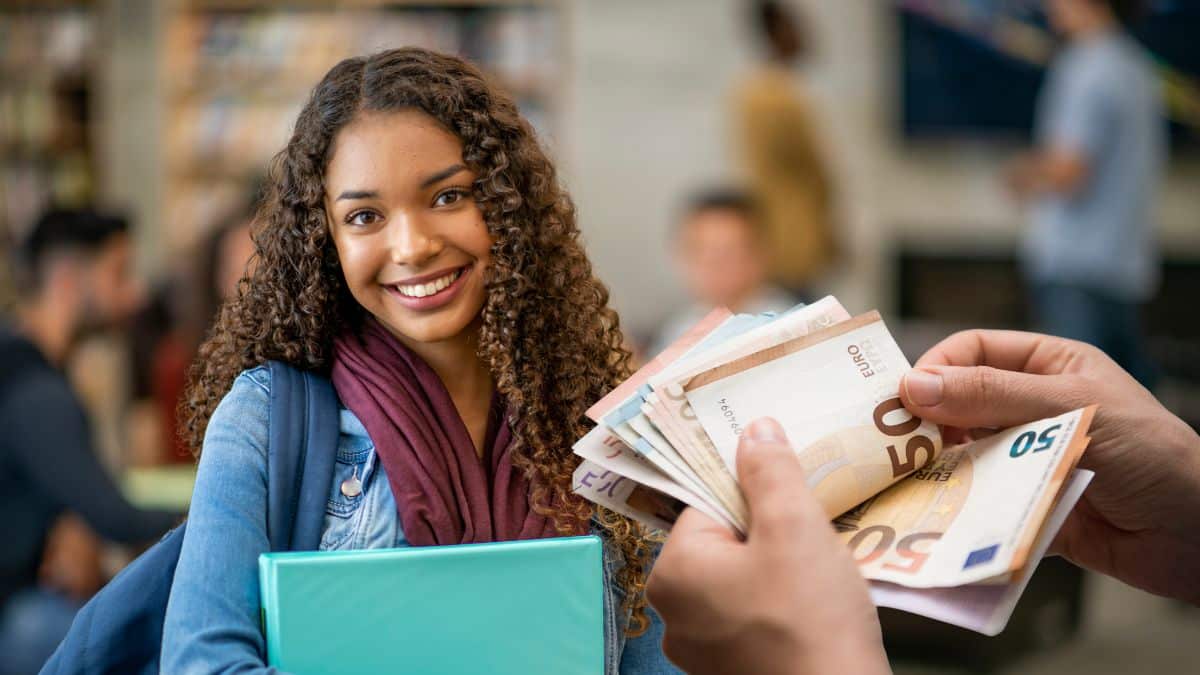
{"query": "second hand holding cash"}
pixel 949 533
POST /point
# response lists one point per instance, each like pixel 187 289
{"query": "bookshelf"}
pixel 236 72
pixel 47 69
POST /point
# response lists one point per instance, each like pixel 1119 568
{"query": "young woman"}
pixel 415 245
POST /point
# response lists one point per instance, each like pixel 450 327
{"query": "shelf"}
pixel 329 5
pixel 47 61
pixel 216 171
pixel 236 73
pixel 44 6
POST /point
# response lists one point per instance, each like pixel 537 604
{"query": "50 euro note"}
pixel 984 608
pixel 836 394
pixel 625 496
pixel 615 476
pixel 685 342
pixel 616 408
pixel 620 410
pixel 667 411
pixel 973 515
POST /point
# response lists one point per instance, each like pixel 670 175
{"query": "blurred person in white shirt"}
pixel 721 255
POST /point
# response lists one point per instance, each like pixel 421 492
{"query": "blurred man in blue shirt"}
pixel 1090 255
pixel 74 275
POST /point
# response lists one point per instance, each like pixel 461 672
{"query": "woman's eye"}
pixel 362 218
pixel 449 197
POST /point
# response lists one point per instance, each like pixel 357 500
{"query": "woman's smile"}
pixel 430 291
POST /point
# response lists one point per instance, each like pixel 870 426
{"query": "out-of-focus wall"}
pixel 132 105
pixel 645 125
pixel 648 123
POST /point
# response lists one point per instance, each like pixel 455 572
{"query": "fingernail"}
pixel 766 430
pixel 923 387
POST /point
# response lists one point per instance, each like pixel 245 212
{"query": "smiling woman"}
pixel 415 246
pixel 412 242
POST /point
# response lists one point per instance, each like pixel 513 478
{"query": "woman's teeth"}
pixel 429 288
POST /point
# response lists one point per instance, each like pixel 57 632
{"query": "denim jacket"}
pixel 212 622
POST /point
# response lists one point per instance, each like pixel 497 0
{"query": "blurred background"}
pixel 719 151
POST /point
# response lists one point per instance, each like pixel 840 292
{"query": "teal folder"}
pixel 534 606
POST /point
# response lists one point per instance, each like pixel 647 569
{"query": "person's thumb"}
pixel 773 482
pixel 980 396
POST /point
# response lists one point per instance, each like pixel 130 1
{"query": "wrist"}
pixel 1185 443
pixel 1182 520
pixel 846 652
pixel 866 660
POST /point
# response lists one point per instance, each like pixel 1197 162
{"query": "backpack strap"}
pixel 301 451
pixel 120 629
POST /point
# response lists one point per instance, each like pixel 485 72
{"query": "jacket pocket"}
pixel 352 472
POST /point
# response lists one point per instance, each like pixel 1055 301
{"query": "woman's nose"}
pixel 411 242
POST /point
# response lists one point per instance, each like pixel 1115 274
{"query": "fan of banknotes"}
pixel 952 533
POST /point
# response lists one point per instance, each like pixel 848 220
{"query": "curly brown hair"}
pixel 548 336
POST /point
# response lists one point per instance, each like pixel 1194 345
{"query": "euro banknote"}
pixel 951 533
pixel 836 393
pixel 973 515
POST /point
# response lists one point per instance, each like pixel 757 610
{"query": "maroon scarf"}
pixel 444 493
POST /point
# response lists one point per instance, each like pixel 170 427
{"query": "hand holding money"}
pixel 953 535
pixel 1139 519
pixel 768 604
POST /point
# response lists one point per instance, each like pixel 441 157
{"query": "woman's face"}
pixel 411 239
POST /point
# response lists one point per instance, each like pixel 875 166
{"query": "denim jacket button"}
pixel 352 486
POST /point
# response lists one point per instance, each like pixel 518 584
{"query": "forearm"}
pixel 845 654
pixel 1055 172
pixel 1187 530
pixel 54 445
pixel 108 512
pixel 770 647
pixel 212 619
pixel 83 486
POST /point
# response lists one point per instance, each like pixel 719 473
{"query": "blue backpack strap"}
pixel 301 451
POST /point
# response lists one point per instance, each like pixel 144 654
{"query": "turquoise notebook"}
pixel 533 606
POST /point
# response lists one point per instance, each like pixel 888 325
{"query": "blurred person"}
pixel 1090 257
pixel 721 254
pixel 154 330
pixel 73 277
pixel 788 599
pixel 174 324
pixel 778 145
